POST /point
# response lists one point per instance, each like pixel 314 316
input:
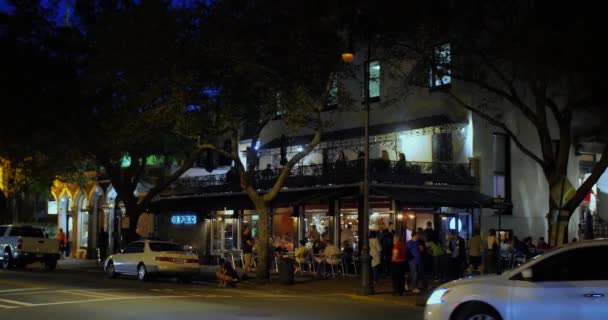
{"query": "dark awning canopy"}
pixel 240 200
pixel 432 195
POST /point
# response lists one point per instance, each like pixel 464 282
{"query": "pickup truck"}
pixel 21 245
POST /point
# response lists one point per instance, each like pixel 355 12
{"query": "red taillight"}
pixel 167 259
pixel 19 243
pixel 191 260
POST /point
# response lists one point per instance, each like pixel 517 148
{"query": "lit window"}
pixel 332 94
pixel 440 66
pixel 374 79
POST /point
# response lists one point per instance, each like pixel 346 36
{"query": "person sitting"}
pixel 301 254
pixel 227 275
pixel 267 173
pixel 332 253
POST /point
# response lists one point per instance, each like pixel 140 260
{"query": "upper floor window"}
pixel 440 66
pixel 332 94
pixel 501 177
pixel 373 84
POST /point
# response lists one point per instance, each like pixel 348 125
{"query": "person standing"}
pixel 313 234
pixel 347 235
pixel 398 259
pixel 61 237
pixel 247 249
pixel 386 240
pixel 375 252
pixel 491 246
pixel 102 245
pixel 457 247
pixel 415 261
pixel 435 250
pixel 475 250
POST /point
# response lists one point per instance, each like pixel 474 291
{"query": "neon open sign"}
pixel 183 219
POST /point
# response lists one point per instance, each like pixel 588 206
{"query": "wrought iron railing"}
pixel 336 173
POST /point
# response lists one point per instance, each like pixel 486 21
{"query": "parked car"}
pixel 148 258
pixel 570 282
pixel 22 245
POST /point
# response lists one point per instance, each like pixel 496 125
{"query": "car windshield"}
pixel 26 232
pixel 166 246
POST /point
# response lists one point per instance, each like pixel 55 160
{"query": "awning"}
pixel 433 195
pixel 240 200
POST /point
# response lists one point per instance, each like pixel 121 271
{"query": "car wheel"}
pixel 142 273
pixel 7 261
pixel 477 311
pixel 111 271
pixel 50 264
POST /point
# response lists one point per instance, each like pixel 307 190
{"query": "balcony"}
pixel 337 173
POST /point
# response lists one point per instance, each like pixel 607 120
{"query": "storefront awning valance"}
pixel 437 196
pixel 240 200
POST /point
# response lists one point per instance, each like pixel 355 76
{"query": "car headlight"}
pixel 437 296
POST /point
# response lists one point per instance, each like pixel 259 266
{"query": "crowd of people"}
pixel 416 257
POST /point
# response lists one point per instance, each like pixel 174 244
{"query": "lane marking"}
pixel 19 303
pixel 60 291
pixel 107 299
pixel 89 294
pixel 7 307
pixel 19 290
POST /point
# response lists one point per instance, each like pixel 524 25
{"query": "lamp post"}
pixel 365 259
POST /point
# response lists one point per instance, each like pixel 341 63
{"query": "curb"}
pixel 389 301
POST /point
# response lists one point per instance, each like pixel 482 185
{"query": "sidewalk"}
pixel 309 285
pixel 305 286
pixel 84 265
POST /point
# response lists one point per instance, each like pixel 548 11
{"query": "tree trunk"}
pixel 263 246
pixel 133 212
pixel 558 221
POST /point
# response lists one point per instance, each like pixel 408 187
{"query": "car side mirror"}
pixel 527 274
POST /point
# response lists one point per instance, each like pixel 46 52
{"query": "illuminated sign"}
pixel 183 219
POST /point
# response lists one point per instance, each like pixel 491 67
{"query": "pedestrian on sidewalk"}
pixel 102 245
pixel 436 252
pixel 386 240
pixel 247 249
pixel 375 252
pixel 398 259
pixel 415 262
pixel 492 249
pixel 63 240
pixel 458 250
pixel 475 251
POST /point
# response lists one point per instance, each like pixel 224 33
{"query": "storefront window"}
pixel 352 219
pixel 321 222
pixel 284 231
pixel 224 232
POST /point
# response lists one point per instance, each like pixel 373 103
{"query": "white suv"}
pixel 570 282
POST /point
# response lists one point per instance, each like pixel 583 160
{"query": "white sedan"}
pixel 570 282
pixel 147 257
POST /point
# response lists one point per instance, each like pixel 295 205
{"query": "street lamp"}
pixel 366 283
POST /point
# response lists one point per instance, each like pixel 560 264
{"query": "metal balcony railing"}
pixel 336 173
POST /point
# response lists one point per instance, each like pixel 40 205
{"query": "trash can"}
pixel 286 270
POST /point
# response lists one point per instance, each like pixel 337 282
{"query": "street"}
pixel 68 294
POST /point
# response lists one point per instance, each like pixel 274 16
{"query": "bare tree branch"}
pixel 501 125
pixel 583 190
pixel 292 162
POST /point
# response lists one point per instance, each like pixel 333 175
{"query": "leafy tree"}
pixel 133 96
pixel 538 61
pixel 264 58
pixel 36 136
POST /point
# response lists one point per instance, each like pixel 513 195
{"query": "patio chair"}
pixel 335 261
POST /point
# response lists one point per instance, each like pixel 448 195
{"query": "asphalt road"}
pixel 68 294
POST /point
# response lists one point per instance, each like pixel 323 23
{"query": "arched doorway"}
pixel 65 220
pixel 81 242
